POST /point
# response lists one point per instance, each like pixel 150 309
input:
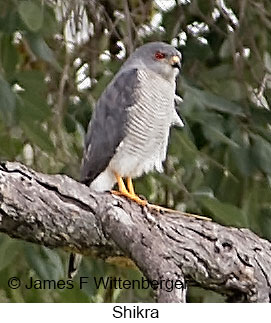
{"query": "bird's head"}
pixel 160 57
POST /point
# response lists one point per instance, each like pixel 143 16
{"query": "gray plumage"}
pixel 128 133
pixel 107 128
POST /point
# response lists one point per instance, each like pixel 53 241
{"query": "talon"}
pixel 161 208
pixel 130 193
pixel 116 192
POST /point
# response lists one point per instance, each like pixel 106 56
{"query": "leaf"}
pixel 32 80
pixel 214 135
pixel 42 50
pixel 225 213
pixel 10 147
pixel 196 181
pixel 231 89
pixel 37 135
pixel 265 221
pixel 267 61
pixel 196 50
pixel 144 186
pixel 169 22
pixel 69 123
pixel 213 125
pixel 241 157
pixel 204 191
pixel 101 85
pixel 260 116
pixel 52 23
pixel 205 7
pixel 31 14
pixel 182 146
pixel 226 48
pixel 77 295
pixel 7 102
pixel 243 160
pixel 9 22
pixel 219 73
pixel 8 251
pixel 81 112
pixel 8 54
pixel 213 101
pixel 31 107
pixel 32 104
pixel 46 263
pixel 220 104
pixel 261 150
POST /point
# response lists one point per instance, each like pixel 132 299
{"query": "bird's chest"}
pixel 147 129
pixel 150 118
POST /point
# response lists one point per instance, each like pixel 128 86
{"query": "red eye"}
pixel 159 55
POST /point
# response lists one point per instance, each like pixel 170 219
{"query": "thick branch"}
pixel 57 211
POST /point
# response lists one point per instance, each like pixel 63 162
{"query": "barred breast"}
pixel 145 144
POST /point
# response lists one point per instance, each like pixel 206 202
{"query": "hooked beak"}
pixel 175 61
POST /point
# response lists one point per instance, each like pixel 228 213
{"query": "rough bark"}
pixel 56 211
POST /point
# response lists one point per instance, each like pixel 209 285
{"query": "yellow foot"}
pixel 130 193
pixel 164 209
pixel 132 197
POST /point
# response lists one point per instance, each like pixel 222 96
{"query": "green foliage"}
pixel 7 102
pixel 52 72
pixel 32 14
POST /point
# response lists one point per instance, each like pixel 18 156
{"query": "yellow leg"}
pixel 122 187
pixel 129 194
pixel 130 186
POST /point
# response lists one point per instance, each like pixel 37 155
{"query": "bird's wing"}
pixel 177 120
pixel 107 128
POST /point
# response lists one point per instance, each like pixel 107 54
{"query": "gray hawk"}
pixel 129 130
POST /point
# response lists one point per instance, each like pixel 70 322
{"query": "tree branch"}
pixel 56 211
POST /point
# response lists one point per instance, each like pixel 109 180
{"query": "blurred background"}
pixel 57 56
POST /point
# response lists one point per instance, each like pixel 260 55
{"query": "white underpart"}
pixel 104 182
pixel 177 121
pixel 144 146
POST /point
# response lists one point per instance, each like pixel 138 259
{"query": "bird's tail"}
pixel 104 182
pixel 74 263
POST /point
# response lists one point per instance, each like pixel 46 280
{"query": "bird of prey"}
pixel 129 130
